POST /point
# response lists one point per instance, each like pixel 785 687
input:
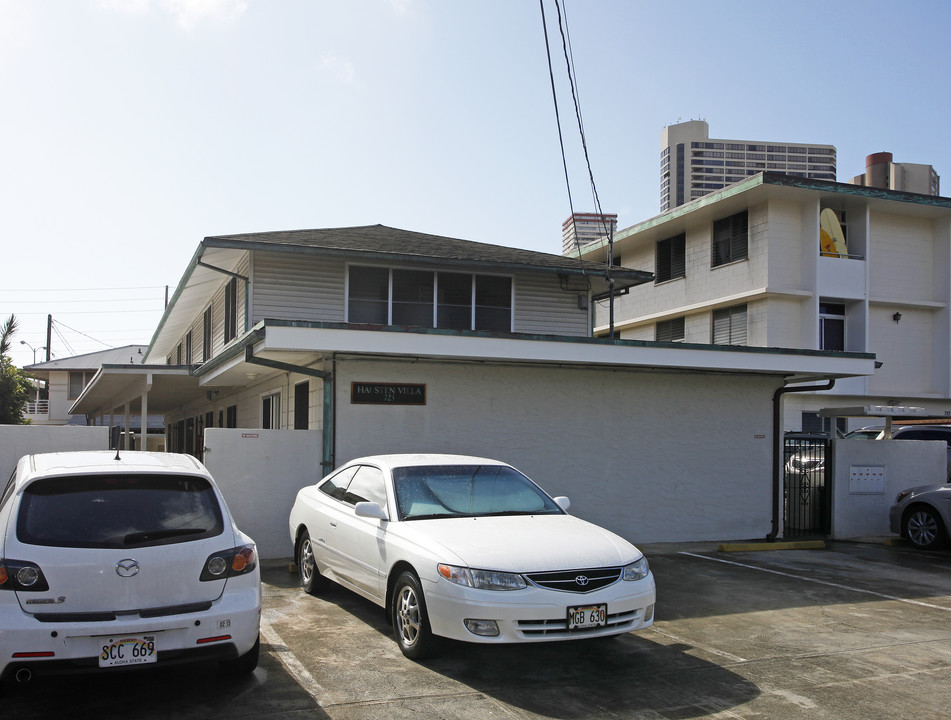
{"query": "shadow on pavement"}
pixel 620 676
pixel 183 692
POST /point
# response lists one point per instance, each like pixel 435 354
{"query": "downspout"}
pixel 327 462
pixel 777 448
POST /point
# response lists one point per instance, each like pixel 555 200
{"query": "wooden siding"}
pixel 313 289
pixel 543 308
pixel 297 287
pixel 217 316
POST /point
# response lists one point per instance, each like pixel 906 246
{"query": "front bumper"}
pixel 225 631
pixel 536 614
pixel 894 518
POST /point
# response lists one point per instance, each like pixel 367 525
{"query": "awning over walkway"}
pixel 165 388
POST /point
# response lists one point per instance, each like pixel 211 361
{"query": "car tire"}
pixel 924 528
pixel 243 664
pixel 311 581
pixel 410 619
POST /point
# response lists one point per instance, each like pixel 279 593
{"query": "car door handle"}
pixel 333 524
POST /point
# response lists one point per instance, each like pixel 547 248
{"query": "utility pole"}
pixel 49 336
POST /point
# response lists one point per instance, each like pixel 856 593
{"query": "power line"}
pixel 565 42
pixel 94 289
pixel 90 312
pixel 56 323
pixel 72 301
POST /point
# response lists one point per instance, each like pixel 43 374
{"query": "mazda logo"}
pixel 582 580
pixel 127 568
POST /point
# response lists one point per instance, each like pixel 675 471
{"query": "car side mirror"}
pixel 563 502
pixel 370 510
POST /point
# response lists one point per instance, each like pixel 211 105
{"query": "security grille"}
pixel 807 485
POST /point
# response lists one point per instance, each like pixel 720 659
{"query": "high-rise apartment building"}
pixel 693 165
pixel 881 172
pixel 583 228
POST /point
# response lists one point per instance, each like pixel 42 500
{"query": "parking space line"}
pixel 698 646
pixel 292 664
pixel 820 582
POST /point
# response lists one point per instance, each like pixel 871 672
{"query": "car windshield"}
pixel 439 491
pixel 118 511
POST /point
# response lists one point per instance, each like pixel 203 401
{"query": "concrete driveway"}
pixel 857 631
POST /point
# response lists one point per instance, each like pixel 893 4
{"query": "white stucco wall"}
pixel 259 473
pixel 881 468
pixel 19 440
pixel 653 456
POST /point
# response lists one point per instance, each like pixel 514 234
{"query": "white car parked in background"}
pixel 467 548
pixel 114 560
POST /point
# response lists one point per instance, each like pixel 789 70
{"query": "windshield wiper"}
pixel 503 513
pixel 148 535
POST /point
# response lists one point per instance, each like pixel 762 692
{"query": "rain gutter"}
pixel 327 463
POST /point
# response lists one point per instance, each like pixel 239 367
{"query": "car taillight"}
pixel 228 563
pixel 22 576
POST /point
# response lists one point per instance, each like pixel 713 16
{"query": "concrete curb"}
pixel 786 545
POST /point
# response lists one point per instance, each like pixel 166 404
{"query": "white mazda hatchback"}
pixel 469 549
pixel 112 561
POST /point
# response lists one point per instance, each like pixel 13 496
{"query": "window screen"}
pixel 730 237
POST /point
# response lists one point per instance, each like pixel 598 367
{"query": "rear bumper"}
pixel 227 630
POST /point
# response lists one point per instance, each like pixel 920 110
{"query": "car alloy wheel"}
pixel 311 580
pixel 924 528
pixel 410 624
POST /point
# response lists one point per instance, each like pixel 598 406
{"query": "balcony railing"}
pixel 37 407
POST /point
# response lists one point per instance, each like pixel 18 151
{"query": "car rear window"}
pixel 118 511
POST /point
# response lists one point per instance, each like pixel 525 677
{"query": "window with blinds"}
pixel 670 330
pixel 730 239
pixel 670 261
pixel 729 326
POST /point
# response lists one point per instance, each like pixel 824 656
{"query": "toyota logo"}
pixel 127 568
pixel 582 580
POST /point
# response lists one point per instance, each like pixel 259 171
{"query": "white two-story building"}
pixel 284 354
pixel 780 261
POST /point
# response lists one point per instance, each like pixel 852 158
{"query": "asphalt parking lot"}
pixel 856 630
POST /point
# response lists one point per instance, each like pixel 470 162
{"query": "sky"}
pixel 132 129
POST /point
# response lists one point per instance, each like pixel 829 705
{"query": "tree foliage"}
pixel 14 384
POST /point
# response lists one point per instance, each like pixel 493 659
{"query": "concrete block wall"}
pixel 857 512
pixel 653 456
pixel 19 440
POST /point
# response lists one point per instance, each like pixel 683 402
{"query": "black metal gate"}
pixel 807 485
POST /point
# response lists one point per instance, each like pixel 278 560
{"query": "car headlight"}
pixel 637 570
pixel 482 579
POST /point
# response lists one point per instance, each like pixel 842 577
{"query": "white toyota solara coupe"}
pixel 467 548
